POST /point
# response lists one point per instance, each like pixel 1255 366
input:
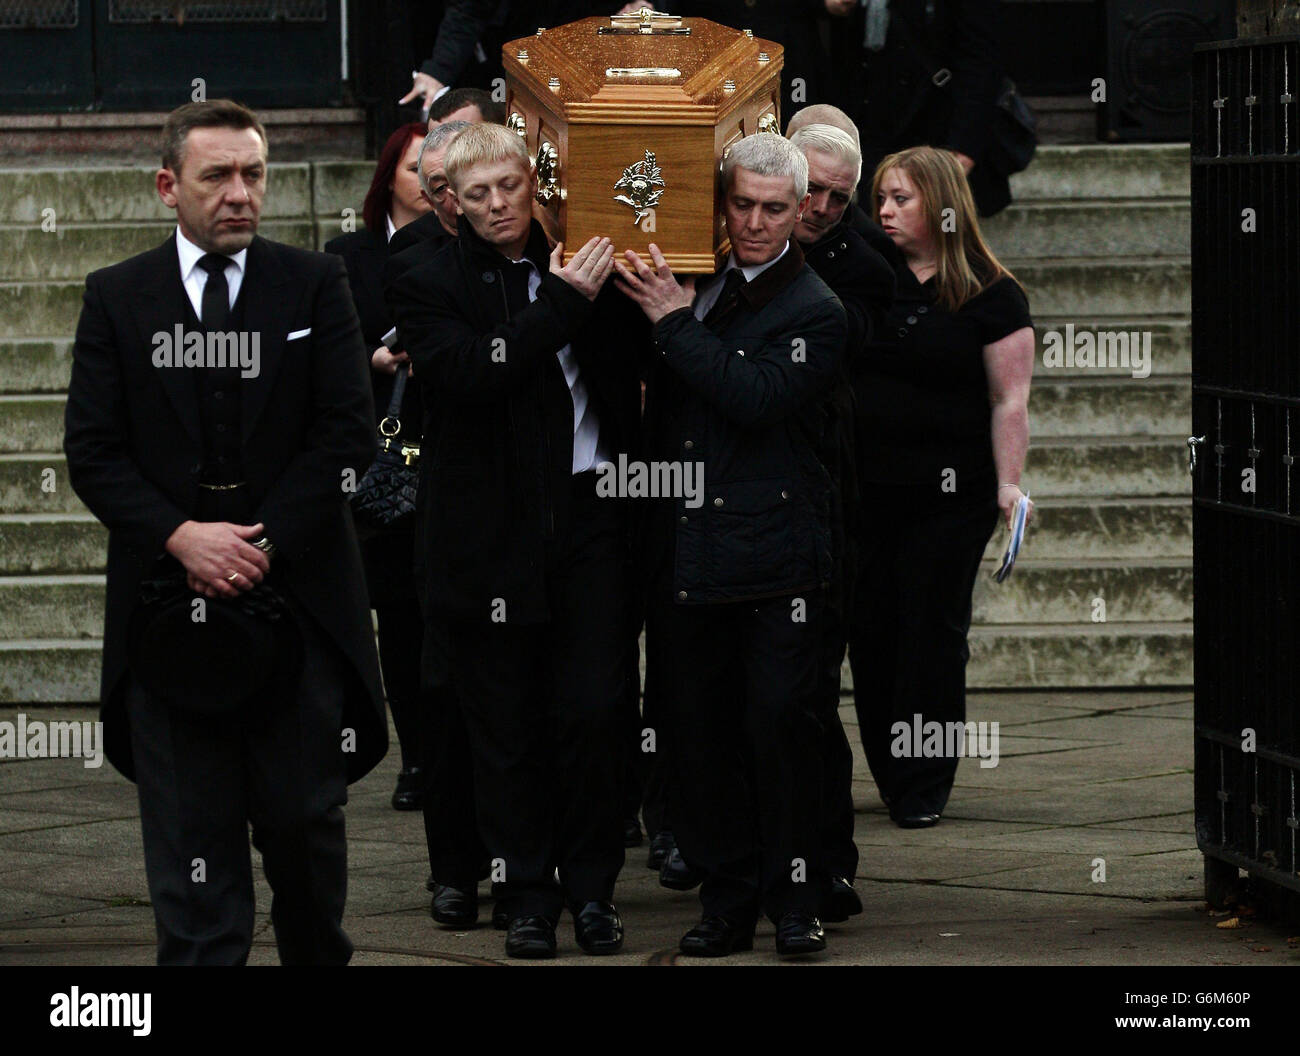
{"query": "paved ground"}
pixel 1006 878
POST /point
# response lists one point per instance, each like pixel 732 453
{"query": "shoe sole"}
pixel 531 955
pixel 801 953
pixel 677 885
pixel 740 947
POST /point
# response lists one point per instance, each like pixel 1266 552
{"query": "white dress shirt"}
pixel 195 278
pixel 706 300
pixel 392 228
pixel 587 451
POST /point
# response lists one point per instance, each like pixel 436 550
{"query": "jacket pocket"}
pixel 754 544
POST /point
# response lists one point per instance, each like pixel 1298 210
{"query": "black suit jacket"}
pixel 495 485
pixel 134 451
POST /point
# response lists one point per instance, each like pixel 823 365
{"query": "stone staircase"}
pixel 1098 234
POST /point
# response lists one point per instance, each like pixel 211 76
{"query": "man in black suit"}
pixel 738 581
pixel 864 283
pixel 232 477
pixel 533 370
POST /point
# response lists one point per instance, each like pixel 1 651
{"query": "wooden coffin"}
pixel 628 118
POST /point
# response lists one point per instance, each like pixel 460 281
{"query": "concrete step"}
pixel 1084 288
pixel 31 422
pixel 32 544
pixel 1078 530
pixel 1056 591
pixel 52 606
pixel 125 193
pixel 129 138
pixel 1131 227
pixel 1171 346
pixel 27 488
pixel 1098 171
pixel 50 671
pixel 75 250
pixel 41 364
pixel 1109 407
pixel 1093 467
pixel 1082 655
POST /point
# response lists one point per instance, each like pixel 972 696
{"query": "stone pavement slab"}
pixel 1008 877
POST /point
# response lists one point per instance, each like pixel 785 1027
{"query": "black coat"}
pixel 746 398
pixel 387 555
pixel 892 98
pixel 134 451
pixel 863 280
pixel 495 484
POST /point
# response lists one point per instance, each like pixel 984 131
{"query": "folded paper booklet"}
pixel 1017 537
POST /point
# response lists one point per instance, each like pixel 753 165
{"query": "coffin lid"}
pixel 578 55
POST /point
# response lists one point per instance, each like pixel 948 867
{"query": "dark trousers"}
pixel 746 752
pixel 401 631
pixel 545 710
pixel 908 647
pixel 837 816
pixel 456 852
pixel 203 780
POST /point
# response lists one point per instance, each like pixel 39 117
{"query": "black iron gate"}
pixel 1243 454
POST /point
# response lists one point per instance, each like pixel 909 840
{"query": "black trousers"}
pixel 837 816
pixel 203 780
pixel 456 851
pixel 746 751
pixel 401 630
pixel 908 648
pixel 545 711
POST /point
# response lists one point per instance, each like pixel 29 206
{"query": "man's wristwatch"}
pixel 265 545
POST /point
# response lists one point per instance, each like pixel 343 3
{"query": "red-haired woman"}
pixel 393 201
pixel 942 431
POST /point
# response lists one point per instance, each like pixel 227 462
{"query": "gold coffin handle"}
pixel 643 71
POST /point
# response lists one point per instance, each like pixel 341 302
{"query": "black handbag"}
pixel 1015 132
pixel 385 496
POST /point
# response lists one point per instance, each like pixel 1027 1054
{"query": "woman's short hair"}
pixel 827 139
pixel 767 154
pixel 378 202
pixel 965 265
pixel 481 144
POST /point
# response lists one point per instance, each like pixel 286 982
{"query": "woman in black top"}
pixel 943 426
pixel 394 200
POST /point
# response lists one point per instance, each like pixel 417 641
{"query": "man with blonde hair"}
pixel 524 559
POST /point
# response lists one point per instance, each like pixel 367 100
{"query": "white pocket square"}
pixel 298 333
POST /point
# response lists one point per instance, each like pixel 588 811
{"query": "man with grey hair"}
pixel 438 226
pixel 864 282
pixel 737 586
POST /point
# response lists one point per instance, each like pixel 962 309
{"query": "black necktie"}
pixel 216 293
pixel 727 298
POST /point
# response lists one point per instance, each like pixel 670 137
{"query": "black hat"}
pixel 213 656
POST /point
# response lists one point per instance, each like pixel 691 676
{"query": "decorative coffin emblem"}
pixel 644 183
pixel 548 173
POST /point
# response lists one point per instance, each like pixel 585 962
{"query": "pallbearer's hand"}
pixel 588 269
pixel 654 289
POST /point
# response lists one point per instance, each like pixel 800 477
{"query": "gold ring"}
pixel 232 577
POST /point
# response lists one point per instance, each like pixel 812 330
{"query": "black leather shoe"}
pixel 841 902
pixel 917 820
pixel 499 919
pixel 678 874
pixel 799 933
pixel 454 907
pixel 598 928
pixel 431 884
pixel 408 794
pixel 632 833
pixel 716 937
pixel 532 938
pixel 661 846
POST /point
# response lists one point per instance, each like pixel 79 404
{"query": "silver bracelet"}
pixel 1001 486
